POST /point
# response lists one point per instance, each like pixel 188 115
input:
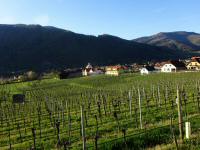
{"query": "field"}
pixel 126 112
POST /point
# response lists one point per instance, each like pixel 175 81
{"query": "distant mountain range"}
pixel 38 48
pixel 185 41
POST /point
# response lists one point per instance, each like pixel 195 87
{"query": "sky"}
pixel 127 19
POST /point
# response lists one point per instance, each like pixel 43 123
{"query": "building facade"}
pixel 194 64
pixel 173 66
pixel 88 70
pixel 168 68
pixel 147 70
pixel 113 70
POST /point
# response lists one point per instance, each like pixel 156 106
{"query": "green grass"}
pixel 103 97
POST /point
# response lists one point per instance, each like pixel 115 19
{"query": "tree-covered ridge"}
pixel 34 47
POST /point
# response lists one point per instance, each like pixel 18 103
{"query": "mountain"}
pixel 39 48
pixel 185 41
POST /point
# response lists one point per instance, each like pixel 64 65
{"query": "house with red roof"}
pixel 194 64
pixel 115 70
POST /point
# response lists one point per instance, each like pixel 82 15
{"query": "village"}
pixel 170 66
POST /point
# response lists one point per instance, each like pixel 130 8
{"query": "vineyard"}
pixel 126 112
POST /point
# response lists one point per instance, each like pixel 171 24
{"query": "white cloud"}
pixel 42 20
pixel 7 20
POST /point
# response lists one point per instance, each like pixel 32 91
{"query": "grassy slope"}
pixel 114 87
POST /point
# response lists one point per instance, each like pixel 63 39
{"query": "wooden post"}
pixel 140 109
pixel 172 131
pixel 83 127
pixel 153 95
pixel 198 100
pixel 166 97
pixel 180 117
pixel 159 99
pixel 130 104
pixel 69 126
pixel 58 132
pixel 34 138
pixel 10 145
pixel 20 135
pixel 97 132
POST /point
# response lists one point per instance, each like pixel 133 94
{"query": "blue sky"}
pixel 124 18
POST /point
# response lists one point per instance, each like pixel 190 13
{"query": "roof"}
pixel 114 67
pixel 195 59
pixel 89 66
pixel 159 64
pixel 176 63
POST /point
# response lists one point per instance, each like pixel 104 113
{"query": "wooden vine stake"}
pixel 159 99
pixel 180 117
pixel 69 126
pixel 83 127
pixel 130 104
pixel 58 132
pixel 9 136
pixel 34 138
pixel 172 131
pixel 140 109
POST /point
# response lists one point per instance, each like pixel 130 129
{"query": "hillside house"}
pixel 147 70
pixel 173 66
pixel 113 70
pixel 194 64
pixel 90 71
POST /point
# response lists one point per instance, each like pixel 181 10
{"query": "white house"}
pixel 168 68
pixel 90 71
pixel 147 70
pixel 173 66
